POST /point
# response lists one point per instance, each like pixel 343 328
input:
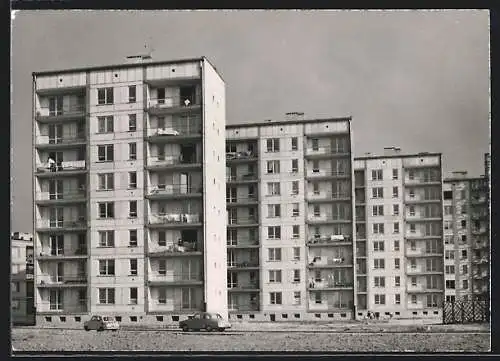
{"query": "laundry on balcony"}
pixel 327 239
pixel 177 218
pixel 168 131
pixel 239 155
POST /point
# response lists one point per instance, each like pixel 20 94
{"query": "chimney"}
pixel 294 116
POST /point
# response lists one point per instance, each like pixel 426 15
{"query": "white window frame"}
pixel 133 238
pixel 295 231
pixel 108 96
pixel 132 151
pixel 275 276
pixel 132 184
pixel 295 209
pixel 296 253
pixel 295 165
pixel 297 299
pixel 397 263
pixel 377 192
pixel 273 145
pixel 133 300
pixel 295 143
pixel 273 210
pixel 106 239
pixel 274 297
pixel 377 175
pixel 132 122
pixel 105 181
pixel 132 98
pixel 274 254
pixel 107 267
pixel 295 188
pixel 377 210
pixel 109 295
pixel 133 270
pixel 378 246
pixel 273 189
pixel 105 124
pixel 274 232
pixel 108 151
pixel 379 299
pixel 109 210
pixel 273 167
pixel 379 281
pixel 379 263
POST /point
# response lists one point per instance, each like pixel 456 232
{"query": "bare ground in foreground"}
pixel 25 339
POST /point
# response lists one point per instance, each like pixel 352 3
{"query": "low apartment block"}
pixel 466 237
pixel 290 219
pixel 129 189
pixel 399 235
pixel 21 286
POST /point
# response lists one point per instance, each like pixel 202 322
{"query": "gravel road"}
pixel 25 339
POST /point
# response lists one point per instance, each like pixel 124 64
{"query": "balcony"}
pixel 64 114
pixel 479 215
pixel 481 245
pixel 327 197
pixel 243 307
pixel 327 219
pixel 420 182
pixel 421 236
pixel 420 200
pixel 241 201
pixel 68 168
pixel 174 191
pixel 44 142
pixel 325 153
pixel 480 275
pixel 159 163
pixel 241 157
pixel 175 220
pixel 47 308
pixel 422 218
pixel 360 253
pixel 330 262
pixel 51 281
pixel 317 175
pixel 479 231
pixel 422 252
pixel 480 260
pixel 180 279
pixel 329 240
pixel 420 288
pixel 419 270
pixel 175 134
pixel 242 179
pixel 323 306
pixel 77 225
pixel 60 254
pixel 243 286
pixel 479 200
pixel 243 266
pixel 242 222
pixel 182 249
pixel 481 289
pixel 243 243
pixel 64 198
pixel 330 285
pixel 173 105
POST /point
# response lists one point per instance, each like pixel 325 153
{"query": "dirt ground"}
pixel 31 339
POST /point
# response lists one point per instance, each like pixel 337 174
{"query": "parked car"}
pixel 101 323
pixel 204 321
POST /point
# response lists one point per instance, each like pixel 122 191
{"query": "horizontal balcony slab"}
pixel 410 254
pixel 174 225
pixel 162 254
pixel 176 80
pixel 173 108
pixel 159 166
pixel 327 134
pixel 327 221
pixel 422 236
pixel 330 288
pixel 422 219
pixel 241 180
pixel 325 177
pixel 48 257
pixel 325 265
pixel 76 199
pixel 65 312
pixel 62 90
pixel 424 290
pixel 163 195
pixel 423 272
pixel 244 289
pixel 62 284
pixel 61 118
pixel 242 202
pixel 242 267
pixel 69 227
pixel 324 154
pixel 243 245
pixel 171 282
pixel 68 144
pixel 60 173
pixel 421 201
pixel 174 137
pixel 327 198
pixel 329 244
pixel 409 184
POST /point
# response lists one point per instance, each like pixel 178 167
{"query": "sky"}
pixel 418 80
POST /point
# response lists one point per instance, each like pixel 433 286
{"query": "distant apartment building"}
pixel 22 290
pixel 290 219
pixel 399 234
pixel 129 185
pixel 466 237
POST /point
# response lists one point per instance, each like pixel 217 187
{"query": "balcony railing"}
pixel 77 223
pixel 230 156
pixel 56 308
pixel 242 242
pixel 330 261
pixel 328 217
pixel 327 305
pixel 318 173
pixel 176 277
pixel 174 189
pixel 171 160
pixel 327 151
pixel 73 110
pixel 422 270
pixel 181 247
pixel 245 264
pixel 172 102
pixel 241 199
pixel 185 130
pixel 422 252
pixel 48 280
pixel 327 196
pixel 422 199
pixel 247 285
pixel 242 221
pixel 175 218
pixel 65 195
pixel 423 288
pixel 421 181
pixel 68 139
pixel 60 252
pixel 243 307
pixel 62 166
pixel 326 284
pixel 328 239
pixel 241 178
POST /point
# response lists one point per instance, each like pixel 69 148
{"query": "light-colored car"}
pixel 101 323
pixel 204 321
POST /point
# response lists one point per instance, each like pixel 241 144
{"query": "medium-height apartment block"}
pixel 290 219
pixel 399 252
pixel 129 186
pixel 21 286
pixel 466 227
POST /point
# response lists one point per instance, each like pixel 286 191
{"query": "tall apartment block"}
pixel 22 290
pixel 290 219
pixel 129 182
pixel 466 239
pixel 399 234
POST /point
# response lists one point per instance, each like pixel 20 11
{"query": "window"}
pixel 162 267
pixel 450 269
pixel 273 145
pixel 295 210
pixel 274 232
pixel 379 263
pixel 295 231
pixel 448 225
pixel 465 284
pixel 448 195
pixel 378 192
pixel 395 193
pixel 379 281
pixel 105 124
pixel 396 245
pixel 463 194
pixel 132 122
pixel 378 246
pixel 133 267
pixel 273 189
pixel 315 187
pixel 397 299
pixel 450 298
pixel 414 299
pixel 397 281
pixel 162 238
pixel 131 94
pixel 296 298
pixel 295 165
pixel 378 210
pixel 273 166
pixel 465 269
pixel 397 263
pixel 107 267
pixel 316 210
pixel 450 284
pixel 295 143
pixel 413 263
pixel 413 228
pixel 132 209
pixel 377 174
pixel 463 223
pixel 315 144
pixel 273 210
pixel 296 253
pixel 275 298
pixel 317 298
pixel 395 209
pixel 378 228
pixel 275 276
pixel 448 210
pixel 464 254
pixel 380 299
pixel 106 210
pixel 274 254
pixel 463 238
pixel 295 187
pixel 162 295
pixel 106 181
pixel 132 238
pixel 411 174
pixel 132 180
pixel 107 296
pixel 106 238
pixel 394 174
pixel 315 166
pixel 396 227
pixel 105 96
pixel 132 151
pixel 105 153
pixel 133 295
pixel 448 239
pixel 432 300
pixel 412 193
pixel 15 286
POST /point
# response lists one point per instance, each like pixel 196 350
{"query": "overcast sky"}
pixel 414 79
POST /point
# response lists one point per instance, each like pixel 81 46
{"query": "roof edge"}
pixel 288 122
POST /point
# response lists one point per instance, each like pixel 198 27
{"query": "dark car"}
pixel 204 321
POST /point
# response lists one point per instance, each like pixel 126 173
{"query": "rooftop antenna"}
pixel 146 55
